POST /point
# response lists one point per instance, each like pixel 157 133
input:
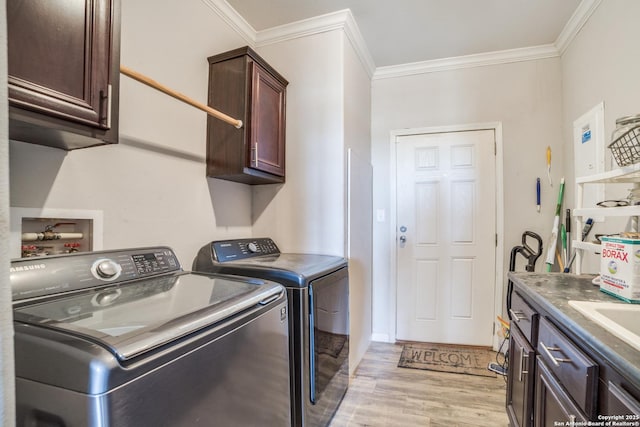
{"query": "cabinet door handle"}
pixel 105 115
pixel 254 155
pixel 516 315
pixel 555 360
pixel 522 369
pixel 109 97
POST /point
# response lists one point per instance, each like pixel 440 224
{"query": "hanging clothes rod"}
pixel 177 95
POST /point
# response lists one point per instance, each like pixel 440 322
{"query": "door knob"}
pixel 403 238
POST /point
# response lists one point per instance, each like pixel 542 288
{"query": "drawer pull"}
pixel 516 315
pixel 555 360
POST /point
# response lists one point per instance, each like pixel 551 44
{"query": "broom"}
pixel 551 251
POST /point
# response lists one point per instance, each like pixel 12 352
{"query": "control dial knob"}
pixel 253 248
pixel 107 269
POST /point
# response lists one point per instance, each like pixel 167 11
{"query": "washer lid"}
pixel 292 270
pixel 135 318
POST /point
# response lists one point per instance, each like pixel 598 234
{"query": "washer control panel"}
pixel 232 250
pixel 42 276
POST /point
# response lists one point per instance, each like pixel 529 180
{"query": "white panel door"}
pixel 446 218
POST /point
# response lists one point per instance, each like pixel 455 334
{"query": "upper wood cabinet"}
pixel 63 63
pixel 243 86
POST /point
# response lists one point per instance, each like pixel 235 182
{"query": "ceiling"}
pixel 406 31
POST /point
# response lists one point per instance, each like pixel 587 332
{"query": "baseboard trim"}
pixel 380 337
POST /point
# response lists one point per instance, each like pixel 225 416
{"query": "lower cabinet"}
pixel 553 404
pixel 575 372
pixel 520 380
pixel 551 381
pixel 561 372
pixel 620 402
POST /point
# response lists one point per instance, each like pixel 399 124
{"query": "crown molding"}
pixel 576 22
pixel 343 20
pixel 468 61
pixel 340 20
pixel 574 25
pixel 233 19
pixel 306 27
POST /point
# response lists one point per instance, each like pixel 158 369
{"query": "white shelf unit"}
pixel 628 174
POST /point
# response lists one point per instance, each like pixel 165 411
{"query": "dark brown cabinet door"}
pixel 267 123
pixel 520 380
pixel 61 58
pixel 243 86
pixel 553 404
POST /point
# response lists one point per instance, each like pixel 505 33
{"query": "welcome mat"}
pixel 447 358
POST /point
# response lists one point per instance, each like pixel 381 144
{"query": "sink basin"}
pixel 618 318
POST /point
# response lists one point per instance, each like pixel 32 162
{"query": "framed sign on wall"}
pixel 589 152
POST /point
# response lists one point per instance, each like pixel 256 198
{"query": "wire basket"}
pixel 626 148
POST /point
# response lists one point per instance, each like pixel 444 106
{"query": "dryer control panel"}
pixel 232 250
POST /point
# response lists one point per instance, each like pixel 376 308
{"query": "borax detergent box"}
pixel 620 268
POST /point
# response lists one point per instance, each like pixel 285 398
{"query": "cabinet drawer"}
pixel 525 317
pixel 574 370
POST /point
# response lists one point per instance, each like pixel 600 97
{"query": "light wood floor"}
pixel 381 394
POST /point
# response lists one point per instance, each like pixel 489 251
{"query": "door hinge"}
pixel 495 148
pixel 496 240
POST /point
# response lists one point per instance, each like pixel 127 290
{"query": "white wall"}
pixel 602 64
pixel 328 113
pixel 524 96
pixel 307 213
pixel 357 137
pixel 152 186
pixel 7 381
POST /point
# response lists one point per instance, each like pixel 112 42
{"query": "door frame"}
pixel 499 212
